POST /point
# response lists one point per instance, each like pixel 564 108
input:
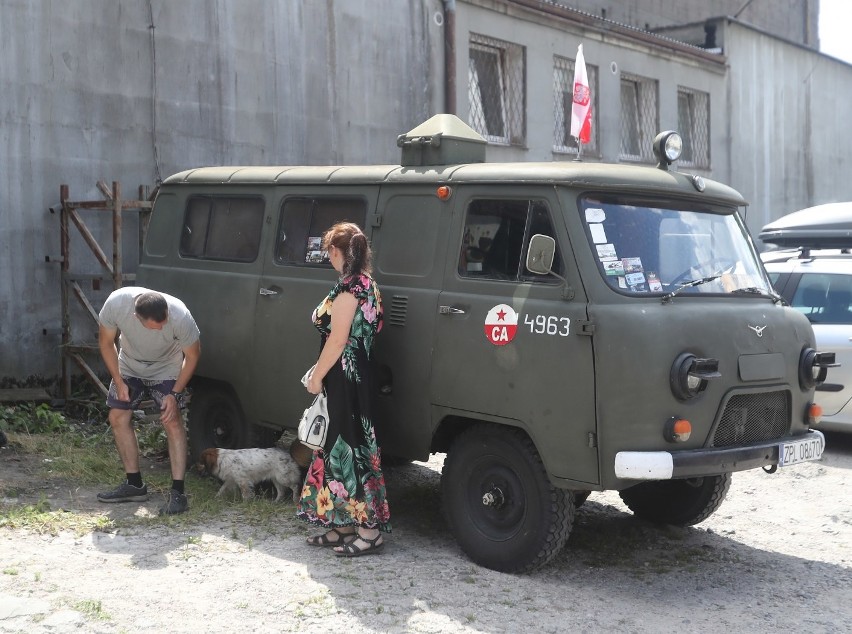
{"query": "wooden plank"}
pixel 24 395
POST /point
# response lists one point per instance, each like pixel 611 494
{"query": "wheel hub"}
pixel 494 497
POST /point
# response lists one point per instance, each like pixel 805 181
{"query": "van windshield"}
pixel 650 247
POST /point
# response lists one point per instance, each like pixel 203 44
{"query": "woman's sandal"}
pixel 324 541
pixel 351 550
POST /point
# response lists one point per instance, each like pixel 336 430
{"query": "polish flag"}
pixel 581 109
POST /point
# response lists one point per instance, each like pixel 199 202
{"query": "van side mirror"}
pixel 540 254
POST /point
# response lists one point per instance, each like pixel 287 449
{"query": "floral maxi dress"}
pixel 345 485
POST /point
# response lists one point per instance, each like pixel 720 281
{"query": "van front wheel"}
pixel 502 508
pixel 680 502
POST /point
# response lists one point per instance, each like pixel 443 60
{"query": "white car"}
pixel 818 282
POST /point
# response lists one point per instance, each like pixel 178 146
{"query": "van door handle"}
pixel 268 291
pixel 450 310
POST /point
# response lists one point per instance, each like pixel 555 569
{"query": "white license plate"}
pixel 800 451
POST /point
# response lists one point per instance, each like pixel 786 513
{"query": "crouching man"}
pixel 158 351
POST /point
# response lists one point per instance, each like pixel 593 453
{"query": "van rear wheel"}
pixel 502 508
pixel 680 502
pixel 216 420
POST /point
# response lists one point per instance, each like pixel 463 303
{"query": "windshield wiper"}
pixel 697 282
pixel 754 290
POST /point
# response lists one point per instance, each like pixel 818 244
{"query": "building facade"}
pixel 126 91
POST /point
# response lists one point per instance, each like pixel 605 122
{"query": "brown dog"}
pixel 243 468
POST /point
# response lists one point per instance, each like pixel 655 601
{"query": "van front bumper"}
pixel 666 465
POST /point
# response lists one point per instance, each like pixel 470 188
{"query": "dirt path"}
pixel 777 556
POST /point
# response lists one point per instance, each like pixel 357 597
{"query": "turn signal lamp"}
pixel 678 430
pixel 444 192
pixel 814 413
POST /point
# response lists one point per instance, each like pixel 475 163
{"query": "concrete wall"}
pixel 789 124
pixel 88 95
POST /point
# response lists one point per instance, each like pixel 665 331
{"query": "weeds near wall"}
pixel 32 419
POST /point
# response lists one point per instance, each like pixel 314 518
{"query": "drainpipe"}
pixel 450 56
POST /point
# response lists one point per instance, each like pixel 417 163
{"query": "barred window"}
pixel 496 90
pixel 693 120
pixel 639 117
pixel 563 95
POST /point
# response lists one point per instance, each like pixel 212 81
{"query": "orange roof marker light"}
pixel 444 192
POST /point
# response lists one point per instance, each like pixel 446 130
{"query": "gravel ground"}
pixel 777 556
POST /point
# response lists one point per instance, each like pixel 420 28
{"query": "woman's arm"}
pixel 342 314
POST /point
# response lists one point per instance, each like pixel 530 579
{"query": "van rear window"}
pixel 222 228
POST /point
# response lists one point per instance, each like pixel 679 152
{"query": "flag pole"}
pixel 579 150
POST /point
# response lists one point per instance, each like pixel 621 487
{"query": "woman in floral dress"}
pixel 344 490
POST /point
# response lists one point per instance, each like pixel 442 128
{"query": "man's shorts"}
pixel 140 389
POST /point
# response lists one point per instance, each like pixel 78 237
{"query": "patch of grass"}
pixel 10 571
pixel 40 518
pixel 92 609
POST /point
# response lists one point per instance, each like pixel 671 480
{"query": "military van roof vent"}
pixel 442 140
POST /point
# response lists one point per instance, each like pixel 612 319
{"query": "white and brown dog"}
pixel 244 468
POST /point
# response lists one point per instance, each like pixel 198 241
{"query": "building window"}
pixel 496 90
pixel 639 117
pixel 693 120
pixel 563 95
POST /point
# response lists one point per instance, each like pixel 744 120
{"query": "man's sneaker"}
pixel 125 492
pixel 176 504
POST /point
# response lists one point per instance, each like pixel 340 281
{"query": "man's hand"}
pixel 122 392
pixel 170 412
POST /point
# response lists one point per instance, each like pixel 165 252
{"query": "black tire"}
pixel 680 502
pixel 580 498
pixel 216 420
pixel 502 508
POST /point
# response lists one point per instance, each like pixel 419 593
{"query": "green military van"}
pixel 554 328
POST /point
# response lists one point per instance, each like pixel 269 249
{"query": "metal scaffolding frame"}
pixel 112 268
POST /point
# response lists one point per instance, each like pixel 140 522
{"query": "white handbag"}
pixel 313 427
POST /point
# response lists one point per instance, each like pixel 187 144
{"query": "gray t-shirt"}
pixel 145 353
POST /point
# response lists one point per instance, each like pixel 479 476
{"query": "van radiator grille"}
pixel 752 418
pixel 398 310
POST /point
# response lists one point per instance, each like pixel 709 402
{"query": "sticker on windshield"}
pixel 613 267
pixel 606 251
pixel 595 215
pixel 501 324
pixel 654 284
pixel 598 233
pixel 632 265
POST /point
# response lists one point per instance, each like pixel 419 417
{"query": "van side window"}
pixel 303 221
pixel 496 237
pixel 222 228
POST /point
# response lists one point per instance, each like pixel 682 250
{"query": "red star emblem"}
pixel 501 314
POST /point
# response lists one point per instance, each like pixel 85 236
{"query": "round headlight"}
pixel 673 147
pixel 667 148
pixel 685 385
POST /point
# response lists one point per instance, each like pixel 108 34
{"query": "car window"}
pixel 496 237
pixel 222 228
pixel 824 298
pixel 656 246
pixel 304 220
